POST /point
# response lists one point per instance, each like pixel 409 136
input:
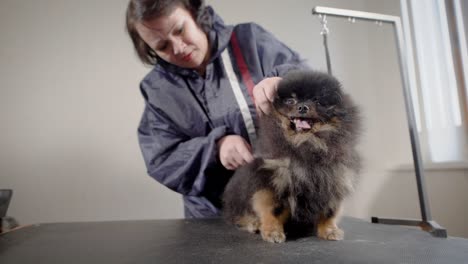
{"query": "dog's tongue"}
pixel 301 124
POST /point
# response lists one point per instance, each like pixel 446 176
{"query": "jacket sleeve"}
pixel 172 158
pixel 276 58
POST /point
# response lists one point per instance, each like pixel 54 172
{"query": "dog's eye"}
pixel 289 101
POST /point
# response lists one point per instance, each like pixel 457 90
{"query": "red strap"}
pixel 244 70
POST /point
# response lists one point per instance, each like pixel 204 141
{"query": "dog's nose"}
pixel 302 109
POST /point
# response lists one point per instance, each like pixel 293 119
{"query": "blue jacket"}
pixel 185 113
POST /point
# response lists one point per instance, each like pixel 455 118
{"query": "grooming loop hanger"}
pixel 325 32
pixel 426 223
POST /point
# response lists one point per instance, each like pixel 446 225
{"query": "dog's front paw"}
pixel 274 236
pixel 331 233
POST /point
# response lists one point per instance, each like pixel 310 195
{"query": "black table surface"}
pixel 213 241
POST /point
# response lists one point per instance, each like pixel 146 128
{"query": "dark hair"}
pixel 141 10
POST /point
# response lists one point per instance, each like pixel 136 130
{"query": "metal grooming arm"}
pixel 426 223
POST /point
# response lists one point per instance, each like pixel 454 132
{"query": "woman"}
pixel 200 98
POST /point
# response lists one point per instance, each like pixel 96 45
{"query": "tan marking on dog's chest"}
pixel 281 173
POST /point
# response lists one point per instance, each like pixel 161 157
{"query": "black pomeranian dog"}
pixel 306 161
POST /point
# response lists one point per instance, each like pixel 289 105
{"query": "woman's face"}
pixel 177 39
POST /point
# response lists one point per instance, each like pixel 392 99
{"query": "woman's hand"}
pixel 234 152
pixel 264 93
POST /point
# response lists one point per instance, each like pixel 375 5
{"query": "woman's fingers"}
pixel 264 94
pixel 234 152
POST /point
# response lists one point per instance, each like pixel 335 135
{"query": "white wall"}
pixel 70 105
pixel 69 108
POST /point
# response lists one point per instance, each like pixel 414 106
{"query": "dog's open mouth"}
pixel 301 124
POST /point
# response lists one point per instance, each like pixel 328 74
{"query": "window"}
pixel 440 51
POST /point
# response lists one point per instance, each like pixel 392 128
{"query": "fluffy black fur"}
pixel 309 170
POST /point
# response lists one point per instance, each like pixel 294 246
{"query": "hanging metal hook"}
pixel 324 32
pixel 323 21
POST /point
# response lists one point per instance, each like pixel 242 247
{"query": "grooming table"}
pixel 213 241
